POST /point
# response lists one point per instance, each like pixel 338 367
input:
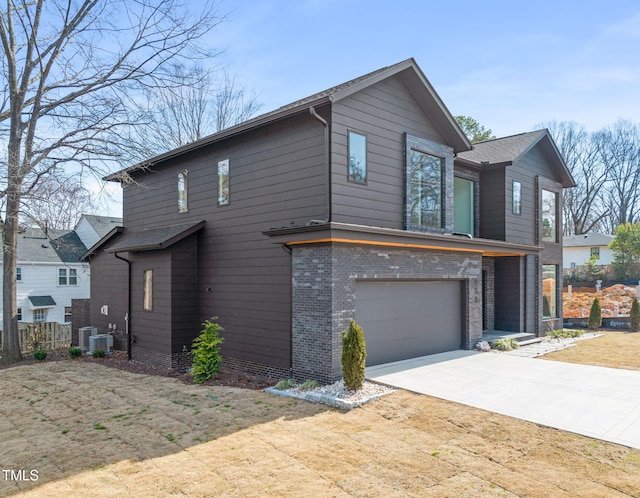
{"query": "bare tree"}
pixel 618 149
pixel 201 105
pixel 583 209
pixel 70 69
pixel 57 203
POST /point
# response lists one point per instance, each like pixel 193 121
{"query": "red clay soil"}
pixel 582 299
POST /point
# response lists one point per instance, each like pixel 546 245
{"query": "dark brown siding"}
pixel 384 112
pixel 109 287
pixel 276 180
pixel 185 323
pixel 508 294
pixel 492 204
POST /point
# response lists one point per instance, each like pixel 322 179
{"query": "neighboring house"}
pixel 49 275
pixel 578 249
pixel 91 228
pixel 365 201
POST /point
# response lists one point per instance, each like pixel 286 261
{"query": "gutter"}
pixel 128 315
pixel 327 169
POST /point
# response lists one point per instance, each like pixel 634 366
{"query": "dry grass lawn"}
pixel 93 431
pixel 613 349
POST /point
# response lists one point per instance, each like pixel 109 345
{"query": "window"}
pixel 549 291
pixel 67 276
pixel 182 192
pixel 67 313
pixel 595 252
pixel 40 315
pixel 18 274
pixel 463 205
pixel 516 199
pixel 425 194
pixel 223 182
pixel 19 315
pixel 357 157
pixel 147 290
pixel 549 228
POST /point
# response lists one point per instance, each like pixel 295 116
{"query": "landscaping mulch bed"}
pixel 118 359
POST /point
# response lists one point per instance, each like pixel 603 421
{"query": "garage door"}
pixel 409 319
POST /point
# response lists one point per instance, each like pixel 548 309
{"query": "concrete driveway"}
pixel 599 402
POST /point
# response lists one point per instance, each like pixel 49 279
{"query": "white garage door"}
pixel 404 320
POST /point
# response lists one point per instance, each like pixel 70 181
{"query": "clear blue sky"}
pixel 508 64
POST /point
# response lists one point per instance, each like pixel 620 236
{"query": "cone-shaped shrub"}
pixel 635 315
pixel 595 315
pixel 354 355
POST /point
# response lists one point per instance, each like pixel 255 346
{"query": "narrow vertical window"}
pixel 182 192
pixel 19 315
pixel 357 157
pixel 425 189
pixel 549 227
pixel 516 193
pixel 73 276
pixel 62 276
pixel 18 274
pixel 549 291
pixel 147 290
pixel 223 182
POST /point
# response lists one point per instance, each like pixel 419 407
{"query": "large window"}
pixel 67 276
pixel 549 291
pixel 425 189
pixel 223 182
pixel 147 290
pixel 463 205
pixel 549 207
pixel 516 197
pixel 182 192
pixel 357 157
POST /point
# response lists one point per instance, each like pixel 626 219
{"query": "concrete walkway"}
pixel 602 403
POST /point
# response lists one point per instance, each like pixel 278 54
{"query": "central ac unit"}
pixel 103 342
pixel 83 336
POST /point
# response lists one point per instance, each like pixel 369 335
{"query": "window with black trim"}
pixel 549 291
pixel 595 252
pixel 223 182
pixel 147 290
pixel 549 207
pixel 357 151
pixel 19 314
pixel 516 197
pixel 182 192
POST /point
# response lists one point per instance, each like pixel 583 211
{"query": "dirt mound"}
pixel 614 301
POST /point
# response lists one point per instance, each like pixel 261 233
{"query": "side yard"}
pixel 89 430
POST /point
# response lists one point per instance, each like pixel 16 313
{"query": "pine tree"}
pixel 354 356
pixel 595 315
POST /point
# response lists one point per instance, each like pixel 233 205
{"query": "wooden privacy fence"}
pixel 44 335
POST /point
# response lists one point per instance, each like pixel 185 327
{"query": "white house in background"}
pixel 578 249
pixel 49 271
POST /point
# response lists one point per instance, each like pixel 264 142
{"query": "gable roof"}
pixel 507 150
pixel 155 238
pixel 587 240
pixel 408 70
pixel 102 224
pixel 54 246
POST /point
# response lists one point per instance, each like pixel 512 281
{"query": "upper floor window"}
pixel 357 157
pixel 549 207
pixel 428 177
pixel 595 252
pixel 516 197
pixel 463 205
pixel 182 192
pixel 223 182
pixel 67 276
pixel 18 274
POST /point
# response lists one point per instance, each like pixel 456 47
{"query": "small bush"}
pixel 595 315
pixel 75 352
pixel 40 354
pixel 206 351
pixel 98 353
pixel 308 385
pixel 505 344
pixel 354 355
pixel 285 384
pixel 635 315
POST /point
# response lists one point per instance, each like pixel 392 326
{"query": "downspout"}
pixel 128 316
pixel 327 169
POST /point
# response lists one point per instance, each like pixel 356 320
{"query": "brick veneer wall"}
pixel 490 296
pixel 324 293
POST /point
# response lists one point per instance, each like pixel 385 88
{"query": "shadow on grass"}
pixel 63 418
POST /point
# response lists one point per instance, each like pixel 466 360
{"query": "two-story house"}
pixel 365 201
